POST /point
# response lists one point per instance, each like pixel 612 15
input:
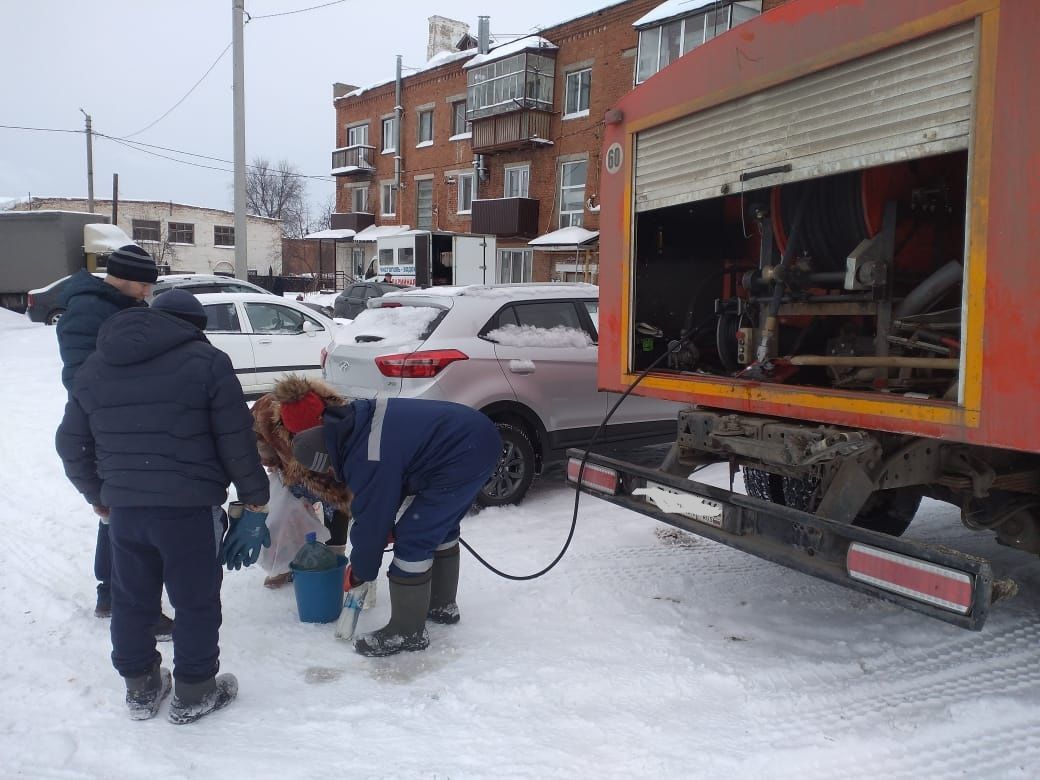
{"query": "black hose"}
pixel 928 292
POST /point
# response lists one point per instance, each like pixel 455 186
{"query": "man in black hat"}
pixel 155 430
pixel 90 301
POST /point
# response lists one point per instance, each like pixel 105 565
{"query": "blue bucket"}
pixel 319 594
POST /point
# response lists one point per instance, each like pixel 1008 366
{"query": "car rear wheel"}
pixel 53 316
pixel 513 472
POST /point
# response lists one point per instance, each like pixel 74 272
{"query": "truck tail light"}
pixel 593 477
pixel 418 365
pixel 920 580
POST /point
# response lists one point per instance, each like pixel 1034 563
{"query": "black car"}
pixel 47 304
pixel 353 300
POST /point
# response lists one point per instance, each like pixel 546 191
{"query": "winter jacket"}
pixel 88 303
pixel 157 418
pixel 275 442
pixel 388 449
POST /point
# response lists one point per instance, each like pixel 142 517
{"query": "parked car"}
pixel 525 355
pixel 47 304
pixel 266 336
pixel 353 300
pixel 326 311
pixel 205 283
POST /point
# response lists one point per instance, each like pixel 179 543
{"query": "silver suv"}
pixel 524 354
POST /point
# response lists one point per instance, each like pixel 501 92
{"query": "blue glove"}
pixel 243 542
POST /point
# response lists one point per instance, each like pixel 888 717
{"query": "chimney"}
pixel 483 34
pixel 339 89
pixel 444 34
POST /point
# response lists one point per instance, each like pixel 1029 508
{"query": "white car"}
pixel 266 337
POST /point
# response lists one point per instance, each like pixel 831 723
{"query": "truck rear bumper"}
pixel 941 583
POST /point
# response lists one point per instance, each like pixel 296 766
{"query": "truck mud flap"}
pixel 941 583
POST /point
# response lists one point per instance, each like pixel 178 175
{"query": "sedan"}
pixel 47 304
pixel 353 300
pixel 266 337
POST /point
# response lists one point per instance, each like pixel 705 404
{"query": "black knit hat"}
pixel 181 303
pixel 309 449
pixel 132 263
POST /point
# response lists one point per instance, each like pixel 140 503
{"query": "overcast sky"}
pixel 127 62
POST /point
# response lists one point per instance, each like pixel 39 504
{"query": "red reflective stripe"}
pixel 924 579
pixel 593 476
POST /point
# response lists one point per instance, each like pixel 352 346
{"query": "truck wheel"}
pixel 53 316
pixel 801 493
pixel 514 471
pixel 889 511
pixel 764 485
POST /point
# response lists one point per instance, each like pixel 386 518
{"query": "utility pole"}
pixel 115 198
pixel 90 164
pixel 241 260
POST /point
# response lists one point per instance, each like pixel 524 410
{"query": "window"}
pixel 222 318
pixel 572 193
pixel 426 127
pixel 459 125
pixel 548 315
pixel 146 229
pixel 662 45
pixel 388 198
pixel 514 265
pixel 389 142
pixel 424 204
pixel 223 235
pixel 272 318
pixel 358 136
pixel 465 181
pixel 577 102
pixel 358 260
pixel 517 181
pixel 182 233
pixel 524 80
pixel 359 199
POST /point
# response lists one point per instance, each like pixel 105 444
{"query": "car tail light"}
pixel 418 365
pixel 911 577
pixel 593 477
pixel 324 357
pixel 30 300
pixel 389 305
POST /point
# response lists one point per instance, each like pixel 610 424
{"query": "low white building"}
pixel 182 238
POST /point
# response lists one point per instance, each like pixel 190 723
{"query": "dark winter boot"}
pixel 103 605
pixel 444 587
pixel 195 700
pixel 409 603
pixel 164 629
pixel 144 694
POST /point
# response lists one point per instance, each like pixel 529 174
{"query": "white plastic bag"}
pixel 289 519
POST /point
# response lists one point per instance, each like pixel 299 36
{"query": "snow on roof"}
pixel 372 232
pixel 341 233
pixel 10 203
pixel 509 49
pixel 530 336
pixel 438 59
pixel 393 326
pixel 345 169
pixel 566 237
pixel 561 290
pixel 670 8
pixel 100 237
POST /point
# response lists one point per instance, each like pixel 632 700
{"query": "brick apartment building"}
pixel 507 142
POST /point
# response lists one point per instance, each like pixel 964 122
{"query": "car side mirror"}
pixel 310 328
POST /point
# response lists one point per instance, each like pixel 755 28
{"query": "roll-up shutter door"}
pixel 910 101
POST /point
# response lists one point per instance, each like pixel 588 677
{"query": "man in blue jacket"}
pixel 438 453
pixel 90 301
pixel 155 430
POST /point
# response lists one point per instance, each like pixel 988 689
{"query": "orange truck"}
pixel 821 230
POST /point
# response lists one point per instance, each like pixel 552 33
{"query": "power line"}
pixel 196 84
pixel 40 129
pixel 300 11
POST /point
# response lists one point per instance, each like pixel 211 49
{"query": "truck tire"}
pixel 764 485
pixel 514 471
pixel 886 511
pixel 53 316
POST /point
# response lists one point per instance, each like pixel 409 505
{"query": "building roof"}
pixel 342 234
pixel 509 49
pixel 669 9
pixel 372 232
pixel 566 238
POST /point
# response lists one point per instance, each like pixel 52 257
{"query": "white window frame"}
pixel 574 217
pixel 387 192
pixel 466 187
pixel 419 185
pixel 467 126
pixel 422 142
pixel 507 259
pixel 523 180
pixel 576 75
pixel 389 144
pixel 353 134
pixel 355 194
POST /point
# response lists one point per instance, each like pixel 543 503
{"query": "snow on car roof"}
pixel 517 291
pixel 390 326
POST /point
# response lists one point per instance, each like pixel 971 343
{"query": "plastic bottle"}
pixel 314 556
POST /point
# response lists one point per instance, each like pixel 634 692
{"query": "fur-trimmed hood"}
pixel 275 442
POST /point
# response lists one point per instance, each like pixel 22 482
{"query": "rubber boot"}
pixel 444 587
pixel 144 694
pixel 409 603
pixel 192 701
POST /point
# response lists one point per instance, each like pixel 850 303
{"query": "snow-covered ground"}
pixel 645 653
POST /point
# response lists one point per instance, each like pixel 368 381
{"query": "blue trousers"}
pixel 177 547
pixel 103 562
